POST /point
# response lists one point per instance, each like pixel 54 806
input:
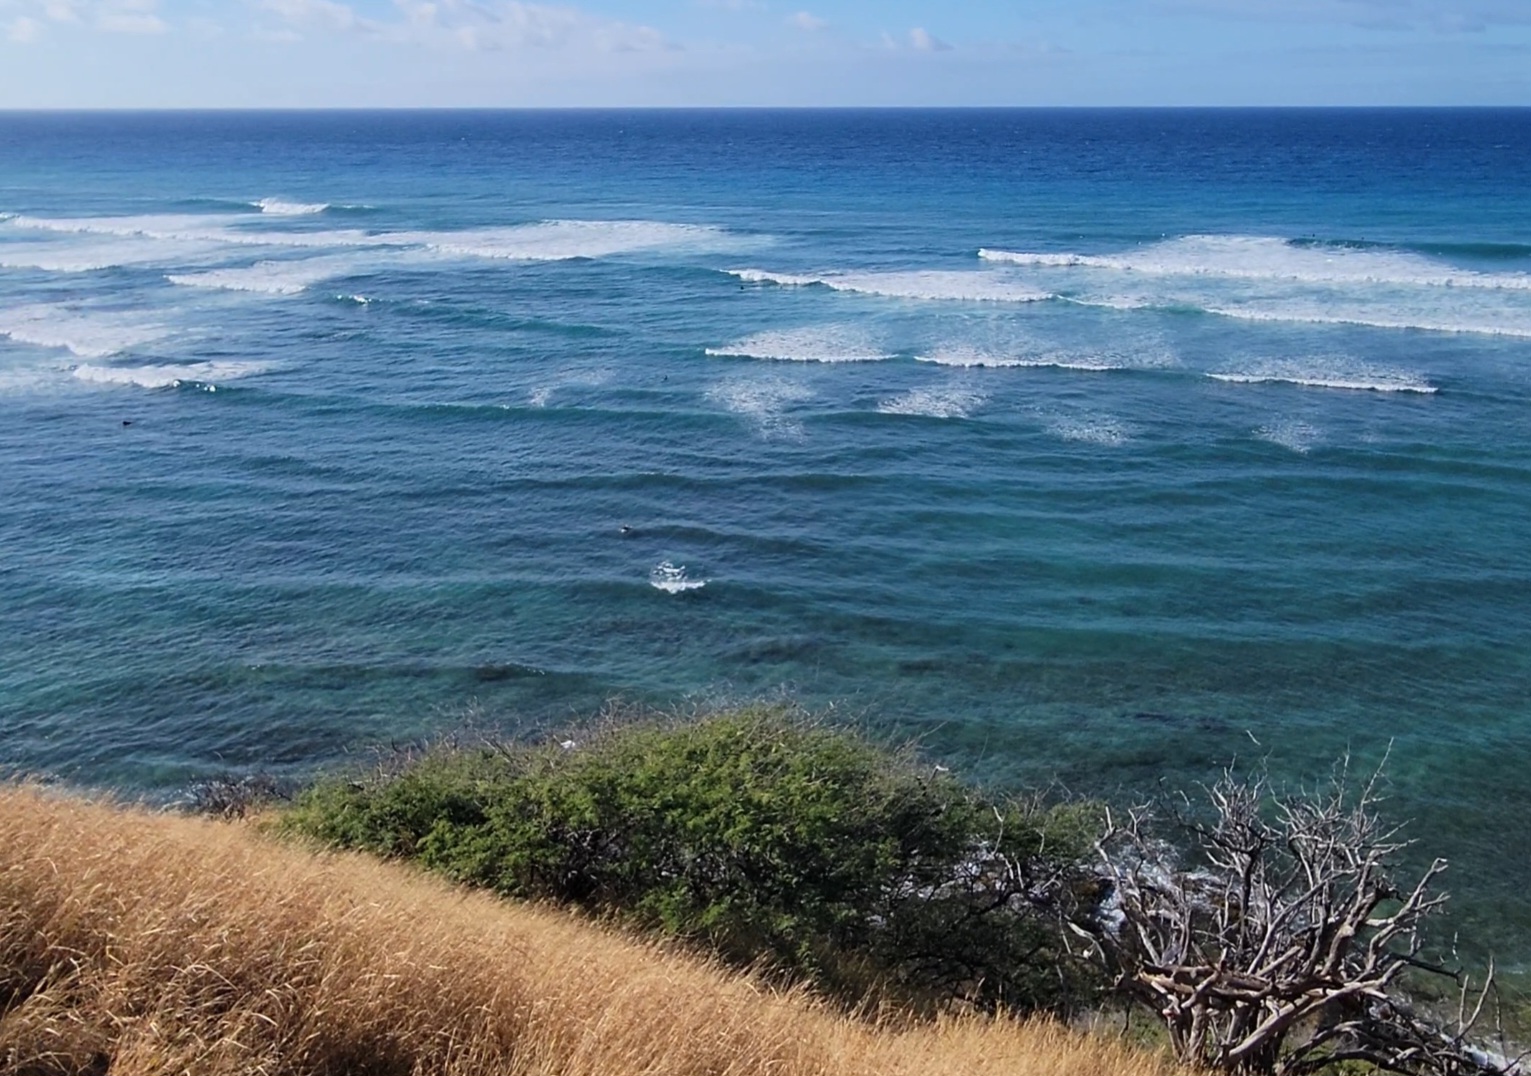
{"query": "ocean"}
pixel 1097 448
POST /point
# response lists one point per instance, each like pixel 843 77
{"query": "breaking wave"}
pixel 674 579
pixel 823 343
pixel 1252 257
pixel 269 277
pixel 932 285
pixel 88 335
pixel 278 207
pixel 551 240
pixel 1327 373
pixel 167 376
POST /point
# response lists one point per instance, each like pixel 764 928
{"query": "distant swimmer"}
pixel 127 422
pixel 626 530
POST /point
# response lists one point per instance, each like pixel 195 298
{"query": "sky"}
pixel 704 53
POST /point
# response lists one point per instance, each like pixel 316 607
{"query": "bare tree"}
pixel 1281 951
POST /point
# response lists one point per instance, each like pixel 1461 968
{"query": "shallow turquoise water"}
pixel 1090 446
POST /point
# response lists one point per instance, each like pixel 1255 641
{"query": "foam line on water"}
pixel 765 401
pixel 1087 427
pixel 86 334
pixel 934 402
pixel 550 240
pixel 1292 434
pixel 1491 324
pixel 167 376
pixel 97 255
pixel 934 285
pixel 1254 257
pixel 279 207
pixel 565 240
pixel 821 343
pixel 1025 355
pixel 1326 372
pixel 269 277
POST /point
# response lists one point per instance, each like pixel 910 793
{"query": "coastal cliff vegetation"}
pixel 139 944
pixel 746 891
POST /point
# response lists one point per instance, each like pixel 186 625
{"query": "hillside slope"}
pixel 135 943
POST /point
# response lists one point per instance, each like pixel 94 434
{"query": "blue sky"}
pixel 342 53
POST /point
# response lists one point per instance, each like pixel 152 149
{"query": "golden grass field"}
pixel 137 944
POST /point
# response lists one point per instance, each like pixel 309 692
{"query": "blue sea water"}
pixel 1091 446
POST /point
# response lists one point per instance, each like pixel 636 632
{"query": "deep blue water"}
pixel 1101 446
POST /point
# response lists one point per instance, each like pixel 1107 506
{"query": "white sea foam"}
pixel 1260 278
pixel 1492 322
pixel 151 226
pixel 553 240
pixel 934 402
pixel 1254 257
pixel 278 207
pixel 1027 354
pixel 167 376
pixel 539 396
pixel 815 343
pixel 269 277
pixel 672 579
pixel 22 380
pixel 1298 436
pixel 765 401
pixel 88 334
pixel 70 255
pixel 1326 372
pixel 1088 427
pixel 563 240
pixel 932 285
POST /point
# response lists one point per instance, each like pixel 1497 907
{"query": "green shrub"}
pixel 769 839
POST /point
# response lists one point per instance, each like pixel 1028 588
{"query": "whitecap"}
pixel 1326 372
pixel 764 401
pixel 167 376
pixel 1256 257
pixel 1088 428
pixel 1298 436
pixel 562 240
pixel 931 285
pixel 87 334
pixel 674 580
pixel 94 255
pixel 814 343
pixel 551 240
pixel 278 207
pixel 1509 323
pixel 935 402
pixel 269 277
pixel 148 226
pixel 1032 356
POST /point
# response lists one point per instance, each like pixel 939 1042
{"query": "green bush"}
pixel 771 840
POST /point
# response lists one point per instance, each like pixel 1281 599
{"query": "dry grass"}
pixel 133 943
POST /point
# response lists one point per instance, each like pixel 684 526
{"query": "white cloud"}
pixel 324 14
pixel 107 16
pixel 23 30
pixel 465 24
pixel 923 40
pixel 803 20
pixel 123 22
